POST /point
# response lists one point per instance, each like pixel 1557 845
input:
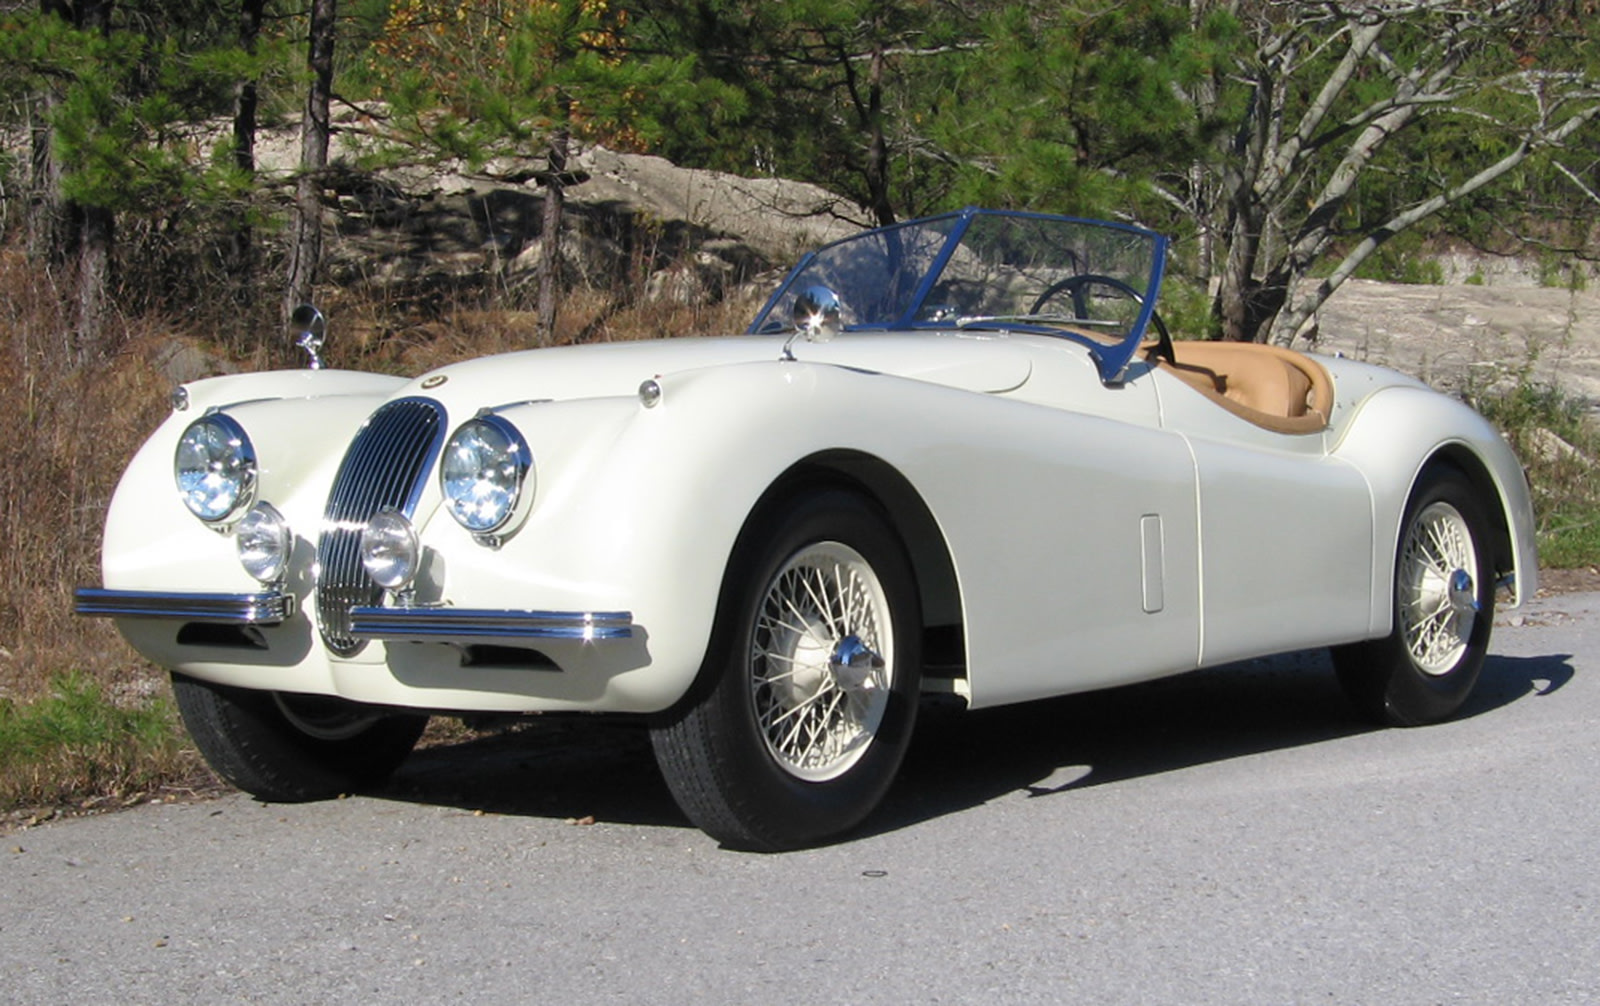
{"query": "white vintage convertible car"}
pixel 960 456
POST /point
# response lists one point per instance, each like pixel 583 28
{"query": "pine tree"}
pixel 492 78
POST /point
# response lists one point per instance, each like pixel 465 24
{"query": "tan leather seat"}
pixel 1272 387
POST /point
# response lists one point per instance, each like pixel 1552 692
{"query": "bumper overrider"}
pixel 406 624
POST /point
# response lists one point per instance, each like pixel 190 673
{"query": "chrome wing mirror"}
pixel 818 316
pixel 307 327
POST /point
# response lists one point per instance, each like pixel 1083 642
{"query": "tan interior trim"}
pixel 1275 388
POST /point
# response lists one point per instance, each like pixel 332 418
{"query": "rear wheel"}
pixel 291 748
pixel 809 690
pixel 1426 667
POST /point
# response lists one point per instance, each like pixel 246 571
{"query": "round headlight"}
pixel 215 468
pixel 264 542
pixel 485 473
pixel 389 549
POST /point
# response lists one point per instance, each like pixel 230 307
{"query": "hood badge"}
pixel 435 381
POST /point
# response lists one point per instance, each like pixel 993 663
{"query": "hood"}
pixel 984 363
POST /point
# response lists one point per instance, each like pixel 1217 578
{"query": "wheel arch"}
pixel 1401 435
pixel 913 521
pixel 1460 459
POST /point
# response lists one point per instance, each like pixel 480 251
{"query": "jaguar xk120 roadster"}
pixel 959 456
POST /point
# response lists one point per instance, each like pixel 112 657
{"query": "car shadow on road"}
pixel 583 769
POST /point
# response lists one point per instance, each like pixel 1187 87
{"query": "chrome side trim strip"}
pixel 479 623
pixel 267 608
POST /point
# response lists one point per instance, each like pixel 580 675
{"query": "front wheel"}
pixel 292 748
pixel 809 690
pixel 1426 667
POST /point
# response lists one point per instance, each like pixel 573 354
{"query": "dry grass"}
pixel 71 431
pixel 1555 435
pixel 372 335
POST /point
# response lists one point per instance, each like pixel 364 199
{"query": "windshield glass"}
pixel 1090 281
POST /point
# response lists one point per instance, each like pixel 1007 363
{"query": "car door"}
pixel 1072 522
pixel 1285 533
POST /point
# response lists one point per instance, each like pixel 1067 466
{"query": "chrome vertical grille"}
pixel 386 466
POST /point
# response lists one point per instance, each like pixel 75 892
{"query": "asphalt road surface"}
pixel 1231 836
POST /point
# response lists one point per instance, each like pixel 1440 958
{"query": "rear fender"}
pixel 1396 435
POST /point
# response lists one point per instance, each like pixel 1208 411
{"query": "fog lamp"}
pixel 389 550
pixel 265 543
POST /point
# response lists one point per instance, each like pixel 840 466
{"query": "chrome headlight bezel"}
pixel 487 476
pixel 214 468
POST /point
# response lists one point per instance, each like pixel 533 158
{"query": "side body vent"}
pixel 386 466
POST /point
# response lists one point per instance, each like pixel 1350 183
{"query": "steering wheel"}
pixel 1077 288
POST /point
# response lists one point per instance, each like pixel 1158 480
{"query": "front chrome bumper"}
pixel 420 623
pixel 433 623
pixel 267 608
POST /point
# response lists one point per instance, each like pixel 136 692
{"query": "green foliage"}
pixel 1186 308
pixel 485 80
pixel 75 742
pixel 136 113
pixel 1554 433
pixel 1083 109
pixel 123 106
pixel 847 94
pixel 1571 538
pixel 1561 272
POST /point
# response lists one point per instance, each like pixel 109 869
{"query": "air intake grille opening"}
pixel 386 466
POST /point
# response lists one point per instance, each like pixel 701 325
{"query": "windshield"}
pixel 1090 281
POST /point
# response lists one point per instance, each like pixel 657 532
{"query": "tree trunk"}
pixel 878 146
pixel 241 257
pixel 555 198
pixel 96 248
pixel 96 232
pixel 51 236
pixel 305 250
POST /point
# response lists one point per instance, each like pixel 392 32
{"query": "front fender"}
pixel 637 507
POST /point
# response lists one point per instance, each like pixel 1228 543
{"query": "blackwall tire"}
pixel 808 695
pixel 1425 669
pixel 290 748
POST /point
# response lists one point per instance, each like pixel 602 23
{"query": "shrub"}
pixel 1554 433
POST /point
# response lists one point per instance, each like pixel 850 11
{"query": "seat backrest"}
pixel 1273 387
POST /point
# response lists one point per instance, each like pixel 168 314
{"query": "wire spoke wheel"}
pixel 1438 606
pixel 821 661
